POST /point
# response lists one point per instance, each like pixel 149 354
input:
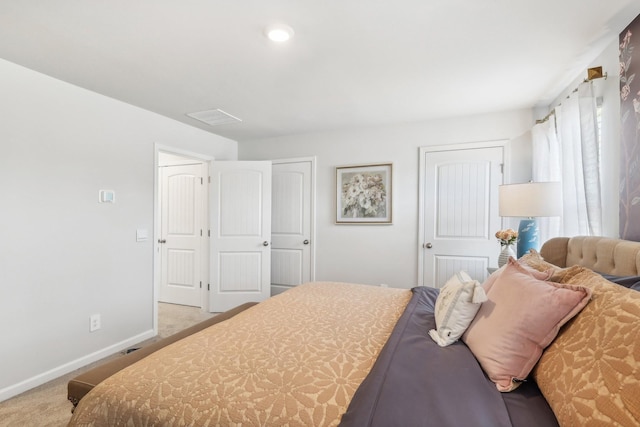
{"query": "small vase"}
pixel 505 254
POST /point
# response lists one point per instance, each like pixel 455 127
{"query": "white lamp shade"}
pixel 532 199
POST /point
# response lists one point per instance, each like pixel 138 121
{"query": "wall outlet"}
pixel 95 323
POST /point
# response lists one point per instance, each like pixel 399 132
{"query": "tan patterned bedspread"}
pixel 295 359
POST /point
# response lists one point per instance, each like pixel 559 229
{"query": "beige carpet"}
pixel 47 405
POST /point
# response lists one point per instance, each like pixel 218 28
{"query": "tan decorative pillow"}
pixel 590 374
pixel 534 260
pixel 521 316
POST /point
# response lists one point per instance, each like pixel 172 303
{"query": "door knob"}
pixel 162 240
pixel 428 245
pixel 306 242
pixel 265 243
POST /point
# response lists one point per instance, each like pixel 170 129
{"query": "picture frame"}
pixel 364 194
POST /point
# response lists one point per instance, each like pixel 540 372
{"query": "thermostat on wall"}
pixel 107 196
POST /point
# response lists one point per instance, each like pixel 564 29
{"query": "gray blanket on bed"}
pixel 414 382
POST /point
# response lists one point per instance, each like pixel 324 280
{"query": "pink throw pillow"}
pixel 521 317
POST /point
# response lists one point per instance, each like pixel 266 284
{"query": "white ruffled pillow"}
pixel 456 306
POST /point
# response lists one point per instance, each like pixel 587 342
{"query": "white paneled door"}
pixel 182 241
pixel 459 211
pixel 291 259
pixel 240 233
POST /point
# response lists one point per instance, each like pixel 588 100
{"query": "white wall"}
pixel 64 256
pixel 609 89
pixel 386 253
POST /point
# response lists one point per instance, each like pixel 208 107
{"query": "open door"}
pixel 182 243
pixel 240 233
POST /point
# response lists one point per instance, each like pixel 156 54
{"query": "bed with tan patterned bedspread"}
pixel 294 359
pixel 303 357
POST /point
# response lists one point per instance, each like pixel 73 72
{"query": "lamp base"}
pixel 528 237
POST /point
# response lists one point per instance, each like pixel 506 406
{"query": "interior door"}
pixel 240 233
pixel 291 196
pixel 459 196
pixel 181 236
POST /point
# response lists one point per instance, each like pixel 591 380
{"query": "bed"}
pixel 328 354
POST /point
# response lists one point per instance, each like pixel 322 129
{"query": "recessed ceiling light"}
pixel 279 33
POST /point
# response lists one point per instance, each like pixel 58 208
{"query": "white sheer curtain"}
pixel 565 148
pixel 546 167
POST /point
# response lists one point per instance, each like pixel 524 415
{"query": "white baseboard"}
pixel 21 387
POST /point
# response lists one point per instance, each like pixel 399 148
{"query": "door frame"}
pixel 207 160
pixel 312 225
pixel 502 143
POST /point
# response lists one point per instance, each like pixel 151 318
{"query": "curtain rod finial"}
pixel 595 73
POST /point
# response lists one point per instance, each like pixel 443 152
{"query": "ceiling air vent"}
pixel 214 117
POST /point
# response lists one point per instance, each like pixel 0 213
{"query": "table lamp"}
pixel 529 200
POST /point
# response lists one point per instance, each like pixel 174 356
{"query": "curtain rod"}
pixel 592 74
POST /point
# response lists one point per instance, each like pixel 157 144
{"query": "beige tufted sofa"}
pixel 602 254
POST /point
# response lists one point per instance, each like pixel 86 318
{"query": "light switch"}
pixel 142 235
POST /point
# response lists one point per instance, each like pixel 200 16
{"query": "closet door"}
pixel 459 211
pixel 291 224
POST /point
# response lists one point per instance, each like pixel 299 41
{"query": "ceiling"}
pixel 351 63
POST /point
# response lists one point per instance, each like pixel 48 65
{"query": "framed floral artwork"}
pixel 363 194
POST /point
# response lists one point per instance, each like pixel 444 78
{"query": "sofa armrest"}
pixel 554 251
